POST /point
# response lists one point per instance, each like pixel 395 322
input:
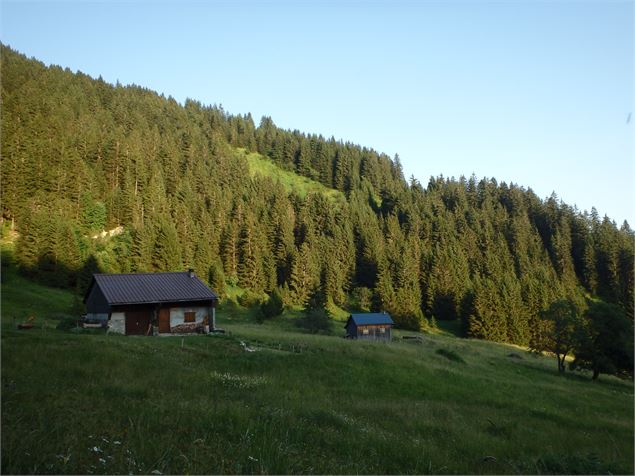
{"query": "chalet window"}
pixel 190 316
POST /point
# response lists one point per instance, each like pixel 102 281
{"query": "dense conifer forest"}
pixel 172 183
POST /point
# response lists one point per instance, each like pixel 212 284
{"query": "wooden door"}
pixel 164 320
pixel 137 322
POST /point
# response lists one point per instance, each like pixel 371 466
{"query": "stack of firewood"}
pixel 190 327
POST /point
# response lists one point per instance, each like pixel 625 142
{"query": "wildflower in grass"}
pixel 237 381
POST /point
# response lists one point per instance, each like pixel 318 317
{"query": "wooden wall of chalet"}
pixel 374 332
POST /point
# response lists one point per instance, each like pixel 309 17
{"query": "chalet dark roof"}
pixel 371 318
pixel 139 288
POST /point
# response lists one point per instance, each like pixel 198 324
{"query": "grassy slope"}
pixel 260 165
pixel 299 403
pixel 22 298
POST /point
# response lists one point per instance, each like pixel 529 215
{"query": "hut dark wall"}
pixel 376 331
pixel 97 304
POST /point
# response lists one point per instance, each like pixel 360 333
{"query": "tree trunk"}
pixel 596 373
pixel 560 363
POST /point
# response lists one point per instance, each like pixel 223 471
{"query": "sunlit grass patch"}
pixel 292 182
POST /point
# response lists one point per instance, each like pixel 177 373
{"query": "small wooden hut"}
pixel 371 326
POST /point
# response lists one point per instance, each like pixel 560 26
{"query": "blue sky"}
pixel 536 93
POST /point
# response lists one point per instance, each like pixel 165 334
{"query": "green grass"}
pixel 450 355
pixel 299 403
pixel 22 299
pixel 292 182
pixel 450 328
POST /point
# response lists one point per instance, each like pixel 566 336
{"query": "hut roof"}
pixel 139 288
pixel 370 318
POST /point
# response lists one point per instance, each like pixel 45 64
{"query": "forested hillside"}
pixel 80 156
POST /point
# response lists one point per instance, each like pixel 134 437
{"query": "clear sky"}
pixel 536 93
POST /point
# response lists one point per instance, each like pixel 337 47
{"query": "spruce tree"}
pixel 166 255
pixel 304 274
pixel 216 280
pixel 250 271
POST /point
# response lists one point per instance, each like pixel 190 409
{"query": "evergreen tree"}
pixel 303 160
pixel 143 247
pixel 250 271
pixel 273 306
pixel 304 274
pixel 230 251
pixel 217 280
pixel 166 255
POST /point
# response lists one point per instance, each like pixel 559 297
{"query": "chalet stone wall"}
pixel 117 323
pixel 177 315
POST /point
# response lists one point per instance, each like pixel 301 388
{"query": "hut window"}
pixel 365 331
pixel 190 316
pixel 382 330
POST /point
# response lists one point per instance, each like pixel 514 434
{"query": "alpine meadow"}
pixel 294 231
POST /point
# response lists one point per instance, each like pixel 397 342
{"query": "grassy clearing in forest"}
pixel 292 182
pixel 299 403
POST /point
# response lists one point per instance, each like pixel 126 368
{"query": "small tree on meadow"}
pixel 273 306
pixel 557 330
pixel 605 344
pixel 315 320
pixel 316 317
pixel 317 300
